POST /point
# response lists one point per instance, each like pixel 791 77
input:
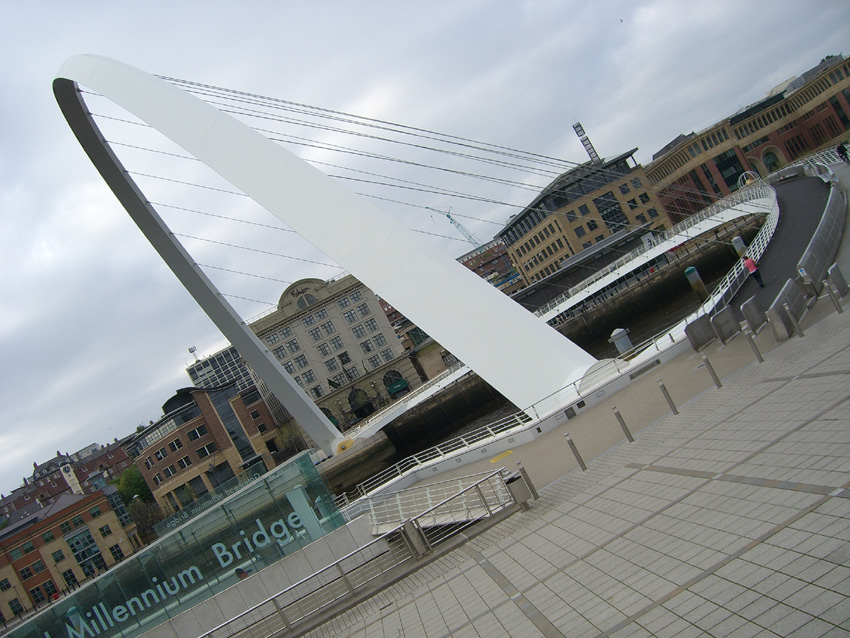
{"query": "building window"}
pixel 78 521
pixel 285 332
pixel 308 320
pixel 371 325
pixel 592 225
pixel 116 552
pixel 272 339
pixel 644 198
pixel 350 316
pixel 580 231
pixel 359 331
pixel 49 588
pixel 58 556
pixel 148 463
pixel 636 182
pixel 379 339
pixel 70 578
pixel 328 327
pixel 374 361
pixel 309 376
pixel 652 213
pixel 352 373
pixel 279 352
pixel 289 367
pixel 337 381
pixel 641 219
pixel 25 573
pixel 160 454
pixel 356 296
pixel 293 346
pixel 323 349
pixel 16 607
pixel 206 450
pixel 157 479
pixel 363 310
pixel 27 547
pixel 37 595
pixel 95 511
pixel 184 462
pixel 169 471
pixel 315 334
pixel 261 427
pixel 65 527
pixel 343 303
pixel 584 210
pixel 624 188
pixel 344 359
pixel 37 567
pixel 331 365
pixel 197 433
pixel 336 343
pixel 321 314
pixel 300 361
pixel 387 355
pixel 4 584
pixel 317 392
pixel 255 414
pixel 48 536
pixel 366 346
pixel 632 204
pixel 175 445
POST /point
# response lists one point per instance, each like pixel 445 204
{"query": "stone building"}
pixel 805 114
pixel 581 208
pixel 335 340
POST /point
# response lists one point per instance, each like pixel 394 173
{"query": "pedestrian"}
pixel 841 149
pixel 752 266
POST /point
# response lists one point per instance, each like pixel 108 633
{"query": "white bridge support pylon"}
pixel 517 353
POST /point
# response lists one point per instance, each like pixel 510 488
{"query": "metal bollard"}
pixel 749 335
pixel 575 452
pixel 711 371
pixel 667 397
pixel 623 424
pixel 527 480
pixel 833 296
pixel 793 319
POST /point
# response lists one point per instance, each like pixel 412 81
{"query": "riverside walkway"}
pixel 730 518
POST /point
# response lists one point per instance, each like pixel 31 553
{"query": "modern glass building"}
pixel 271 517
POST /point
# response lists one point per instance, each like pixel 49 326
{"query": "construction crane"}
pixel 472 239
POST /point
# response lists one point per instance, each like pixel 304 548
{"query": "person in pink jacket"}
pixel 752 266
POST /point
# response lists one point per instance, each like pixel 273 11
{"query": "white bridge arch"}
pixel 514 351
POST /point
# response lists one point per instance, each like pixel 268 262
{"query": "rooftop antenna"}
pixel 585 140
pixel 193 349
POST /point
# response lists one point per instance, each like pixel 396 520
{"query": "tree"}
pixel 131 483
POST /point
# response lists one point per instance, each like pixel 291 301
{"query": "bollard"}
pixel 833 296
pixel 623 424
pixel 667 397
pixel 793 319
pixel 575 452
pixel 711 371
pixel 749 335
pixel 527 480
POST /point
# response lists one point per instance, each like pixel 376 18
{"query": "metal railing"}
pixel 363 569
pixel 409 463
pixel 391 508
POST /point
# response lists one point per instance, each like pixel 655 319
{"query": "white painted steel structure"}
pixel 493 335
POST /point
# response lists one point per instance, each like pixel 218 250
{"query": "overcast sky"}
pixel 94 329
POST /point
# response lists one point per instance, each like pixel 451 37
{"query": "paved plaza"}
pixel 731 518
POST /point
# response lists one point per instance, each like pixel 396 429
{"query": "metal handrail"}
pixel 345 577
